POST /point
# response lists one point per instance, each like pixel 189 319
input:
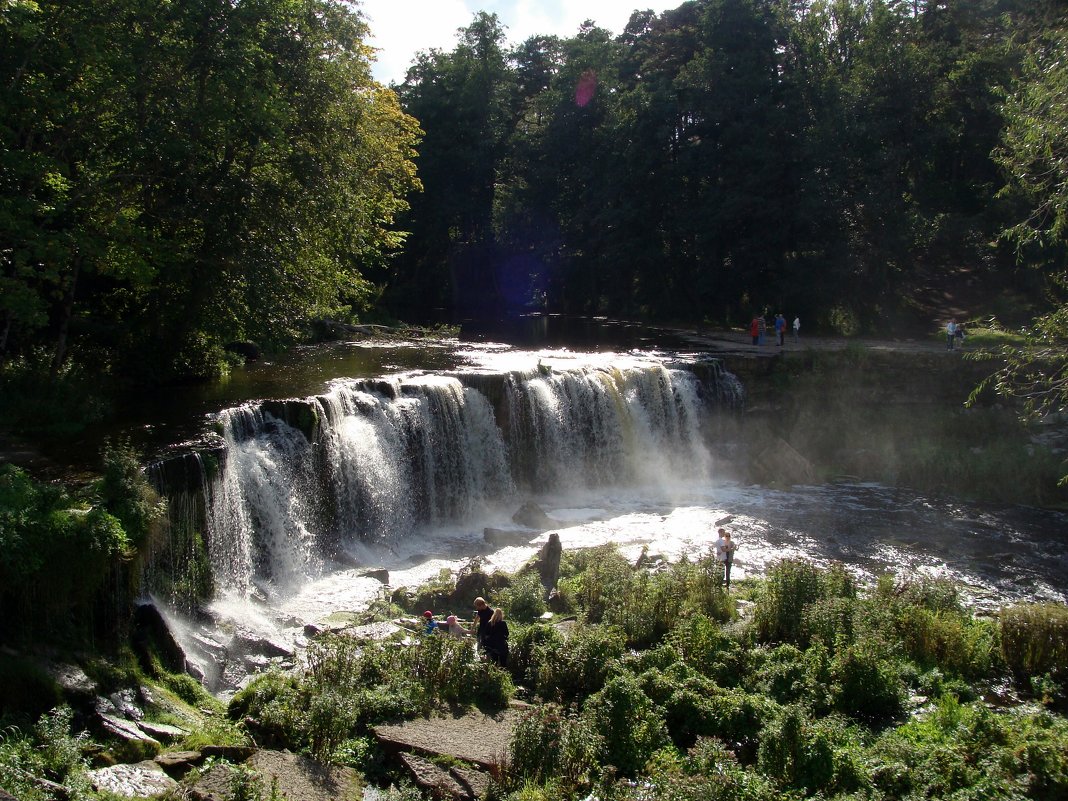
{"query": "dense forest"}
pixel 831 157
pixel 177 178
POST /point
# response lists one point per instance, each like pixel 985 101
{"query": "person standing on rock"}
pixel 483 613
pixel 725 549
pixel 797 328
pixel 497 639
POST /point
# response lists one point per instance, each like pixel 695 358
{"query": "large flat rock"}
pixel 296 777
pixel 476 738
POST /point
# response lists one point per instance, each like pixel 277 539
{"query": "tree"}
pixel 1034 155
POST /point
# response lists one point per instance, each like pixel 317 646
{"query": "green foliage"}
pixel 350 686
pixel 56 556
pixel 525 599
pixel 705 647
pixel 790 588
pixel 799 753
pixel 576 666
pixel 631 726
pixel 50 752
pixel 1034 640
pixel 866 686
pixel 551 745
pixel 125 492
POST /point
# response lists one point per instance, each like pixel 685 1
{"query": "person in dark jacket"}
pixel 496 642
pixel 483 613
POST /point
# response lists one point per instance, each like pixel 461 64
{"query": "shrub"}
pixel 709 772
pixel 953 641
pixel 527 651
pixel 51 753
pixel 704 646
pixel 791 585
pixel 548 744
pixel 591 578
pixel 802 754
pixel 630 725
pixel 1034 640
pixel 580 665
pixel 525 599
pixel 866 686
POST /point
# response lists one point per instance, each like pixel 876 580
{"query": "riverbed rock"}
pixel 547 563
pixel 432 779
pixel 504 537
pixel 140 780
pixel 476 781
pixel 475 738
pixel 533 516
pixel 151 634
pixel 73 682
pixel 287 775
pixel 379 574
pixel 162 731
pixel 127 732
pixel 177 764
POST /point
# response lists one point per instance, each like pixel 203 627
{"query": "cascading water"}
pixel 387 457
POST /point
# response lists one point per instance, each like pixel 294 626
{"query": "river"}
pixel 399 456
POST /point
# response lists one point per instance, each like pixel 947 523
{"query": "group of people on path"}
pixel 491 632
pixel 758 326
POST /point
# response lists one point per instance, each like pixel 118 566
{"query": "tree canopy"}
pixel 176 176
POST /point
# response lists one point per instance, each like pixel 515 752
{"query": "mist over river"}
pixel 399 456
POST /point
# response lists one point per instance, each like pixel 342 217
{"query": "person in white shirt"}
pixel 725 548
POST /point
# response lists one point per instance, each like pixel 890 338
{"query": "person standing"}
pixel 454 628
pixel 762 327
pixel 780 329
pixel 951 333
pixel 754 331
pixel 483 613
pixel 497 639
pixel 725 549
pixel 797 328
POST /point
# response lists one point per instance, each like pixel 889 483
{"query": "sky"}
pixel 400 28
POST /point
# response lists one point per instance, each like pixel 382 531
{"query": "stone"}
pixel 161 731
pixel 476 781
pixel 533 516
pixel 479 739
pixel 231 753
pixel 126 702
pixel 505 536
pixel 246 642
pixel 74 683
pixel 177 764
pixel 379 574
pixel 141 780
pixel 152 634
pixel 547 562
pixel 434 780
pixel 779 462
pixel 283 775
pixel 126 731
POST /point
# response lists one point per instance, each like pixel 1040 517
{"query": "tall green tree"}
pixel 179 175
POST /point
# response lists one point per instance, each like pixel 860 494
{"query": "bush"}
pixel 802 754
pixel 866 686
pixel 51 753
pixel 703 645
pixel 578 666
pixel 525 599
pixel 1034 640
pixel 790 587
pixel 548 744
pixel 630 725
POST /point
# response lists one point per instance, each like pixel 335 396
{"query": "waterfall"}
pixel 374 461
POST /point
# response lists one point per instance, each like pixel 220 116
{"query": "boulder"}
pixel 126 731
pixel 504 537
pixel 434 780
pixel 547 562
pixel 533 516
pixel 177 764
pixel 151 633
pixel 140 780
pixel 161 731
pixel 73 682
pixel 476 781
pixel 379 574
pixel 778 462
pixel 283 775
